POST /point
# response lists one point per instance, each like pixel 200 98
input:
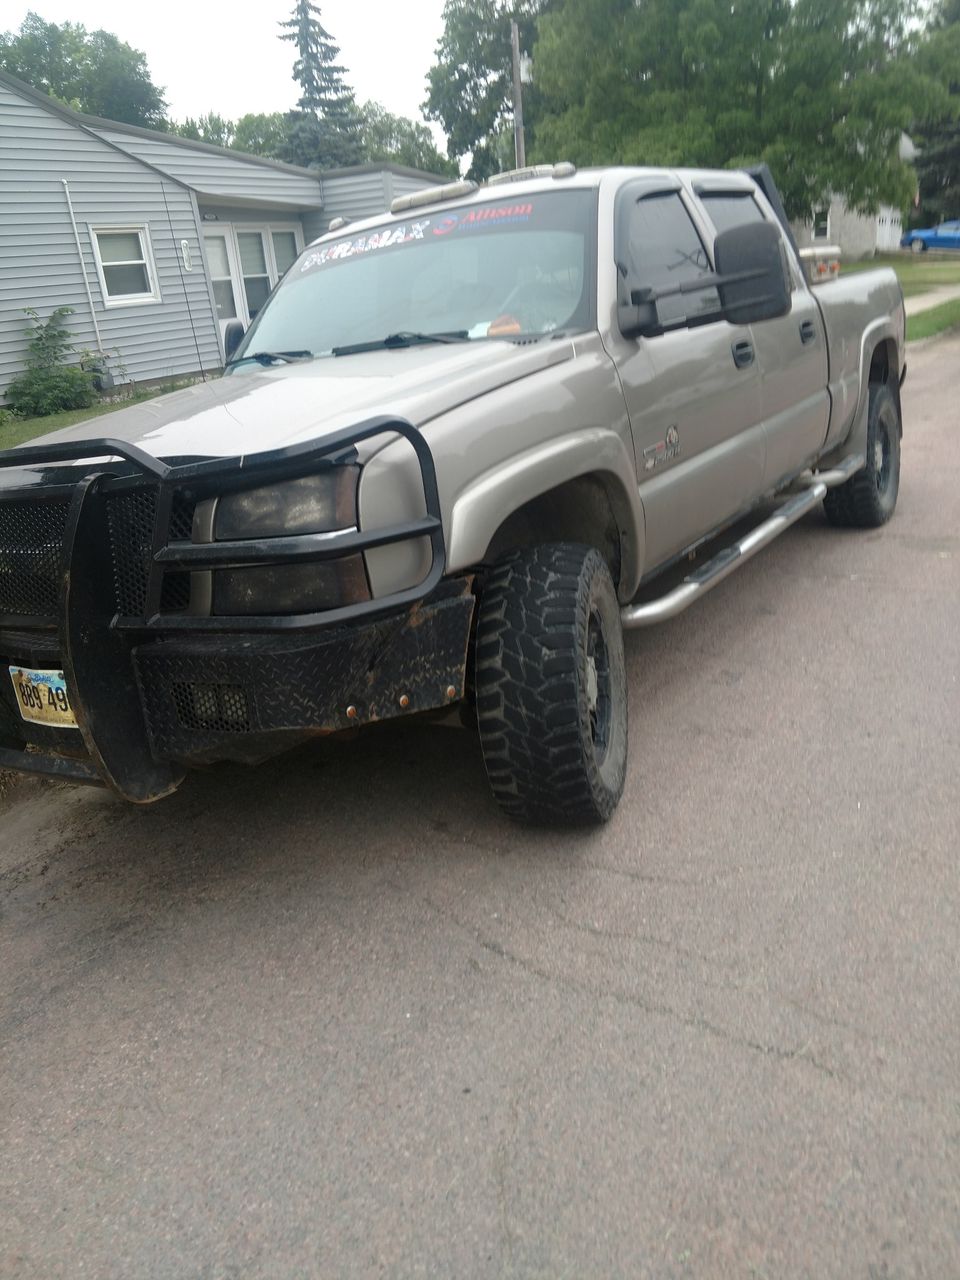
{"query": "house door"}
pixel 223 276
pixel 245 263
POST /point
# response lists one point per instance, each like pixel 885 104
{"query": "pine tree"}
pixel 325 130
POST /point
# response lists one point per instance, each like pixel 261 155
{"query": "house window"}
pixel 253 267
pixel 284 251
pixel 821 224
pixel 125 265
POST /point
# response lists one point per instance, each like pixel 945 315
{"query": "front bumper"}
pixel 95 568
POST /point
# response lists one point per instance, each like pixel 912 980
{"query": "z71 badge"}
pixel 666 450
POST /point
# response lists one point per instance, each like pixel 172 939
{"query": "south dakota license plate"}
pixel 42 697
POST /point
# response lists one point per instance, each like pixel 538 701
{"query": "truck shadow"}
pixel 406 795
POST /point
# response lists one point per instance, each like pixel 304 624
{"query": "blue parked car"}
pixel 946 236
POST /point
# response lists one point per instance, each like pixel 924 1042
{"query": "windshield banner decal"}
pixel 406 233
pixel 483 217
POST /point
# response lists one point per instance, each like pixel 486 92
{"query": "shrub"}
pixel 48 384
pixel 40 392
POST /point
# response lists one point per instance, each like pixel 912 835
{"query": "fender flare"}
pixel 597 452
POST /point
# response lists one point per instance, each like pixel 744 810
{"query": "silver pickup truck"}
pixel 463 446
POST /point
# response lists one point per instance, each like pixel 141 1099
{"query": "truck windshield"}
pixel 504 268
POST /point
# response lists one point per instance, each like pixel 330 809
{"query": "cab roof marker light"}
pixel 433 195
pixel 337 223
pixel 563 169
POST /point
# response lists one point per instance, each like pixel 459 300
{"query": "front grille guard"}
pixel 211 476
pixel 96 644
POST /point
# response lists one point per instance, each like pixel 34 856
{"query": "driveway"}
pixel 335 1017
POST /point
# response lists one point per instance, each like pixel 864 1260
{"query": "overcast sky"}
pixel 216 56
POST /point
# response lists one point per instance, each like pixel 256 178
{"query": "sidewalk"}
pixel 926 301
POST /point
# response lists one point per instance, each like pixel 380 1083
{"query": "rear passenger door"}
pixel 791 354
pixel 692 393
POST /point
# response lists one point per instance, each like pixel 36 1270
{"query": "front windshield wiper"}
pixel 405 338
pixel 271 357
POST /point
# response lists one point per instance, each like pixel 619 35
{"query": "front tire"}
pixel 551 686
pixel 869 498
pixel 917 246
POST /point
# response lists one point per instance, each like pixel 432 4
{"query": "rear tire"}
pixel 869 498
pixel 551 686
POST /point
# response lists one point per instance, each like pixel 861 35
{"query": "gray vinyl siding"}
pixel 364 193
pixel 227 177
pixel 353 196
pixel 38 148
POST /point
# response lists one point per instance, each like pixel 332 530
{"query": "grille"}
pixel 181 518
pixel 31 541
pixel 131 519
pixel 221 708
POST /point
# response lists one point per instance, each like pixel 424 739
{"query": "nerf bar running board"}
pixel 731 558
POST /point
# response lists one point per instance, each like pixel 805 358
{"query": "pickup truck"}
pixel 461 449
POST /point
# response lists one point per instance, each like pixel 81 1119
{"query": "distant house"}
pixel 156 242
pixel 857 235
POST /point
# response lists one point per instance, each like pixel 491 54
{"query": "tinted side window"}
pixel 728 209
pixel 664 250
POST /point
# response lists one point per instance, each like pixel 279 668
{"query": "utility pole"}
pixel 518 143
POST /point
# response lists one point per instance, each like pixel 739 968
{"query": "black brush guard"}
pixel 96 642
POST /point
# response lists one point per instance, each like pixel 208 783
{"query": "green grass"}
pixel 936 320
pixel 26 428
pixel 918 273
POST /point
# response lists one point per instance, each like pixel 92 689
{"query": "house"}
pixel 857 235
pixel 154 241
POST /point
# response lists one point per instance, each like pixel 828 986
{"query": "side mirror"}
pixel 232 337
pixel 752 273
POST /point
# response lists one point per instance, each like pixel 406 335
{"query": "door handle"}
pixel 742 354
pixel 808 331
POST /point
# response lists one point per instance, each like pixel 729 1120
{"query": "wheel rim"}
pixel 883 457
pixel 599 701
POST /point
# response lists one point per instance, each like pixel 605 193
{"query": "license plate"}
pixel 42 697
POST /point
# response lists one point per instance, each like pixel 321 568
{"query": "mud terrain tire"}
pixel 551 686
pixel 869 498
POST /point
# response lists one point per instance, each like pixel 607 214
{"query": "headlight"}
pixel 320 503
pixel 317 503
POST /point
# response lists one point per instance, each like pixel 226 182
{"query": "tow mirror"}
pixel 752 273
pixel 752 280
pixel 232 337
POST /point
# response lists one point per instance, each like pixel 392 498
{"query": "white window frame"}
pixel 142 230
pixel 813 226
pixel 265 230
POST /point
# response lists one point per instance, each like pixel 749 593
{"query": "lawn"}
pixel 918 273
pixel 936 320
pixel 16 432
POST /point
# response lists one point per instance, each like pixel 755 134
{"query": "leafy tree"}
pixel 820 89
pixel 325 130
pixel 470 86
pixel 261 135
pixel 938 164
pixel 90 71
pixel 397 140
pixel 210 128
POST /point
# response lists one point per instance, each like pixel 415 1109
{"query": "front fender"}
pixel 496 452
pixel 483 506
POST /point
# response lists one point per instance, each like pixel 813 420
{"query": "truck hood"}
pixel 256 409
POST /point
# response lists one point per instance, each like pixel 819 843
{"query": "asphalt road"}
pixel 335 1017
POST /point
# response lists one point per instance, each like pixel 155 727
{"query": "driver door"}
pixel 693 393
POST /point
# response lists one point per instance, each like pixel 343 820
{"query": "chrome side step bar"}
pixel 730 559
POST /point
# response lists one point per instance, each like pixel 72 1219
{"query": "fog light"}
pixel 290 588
